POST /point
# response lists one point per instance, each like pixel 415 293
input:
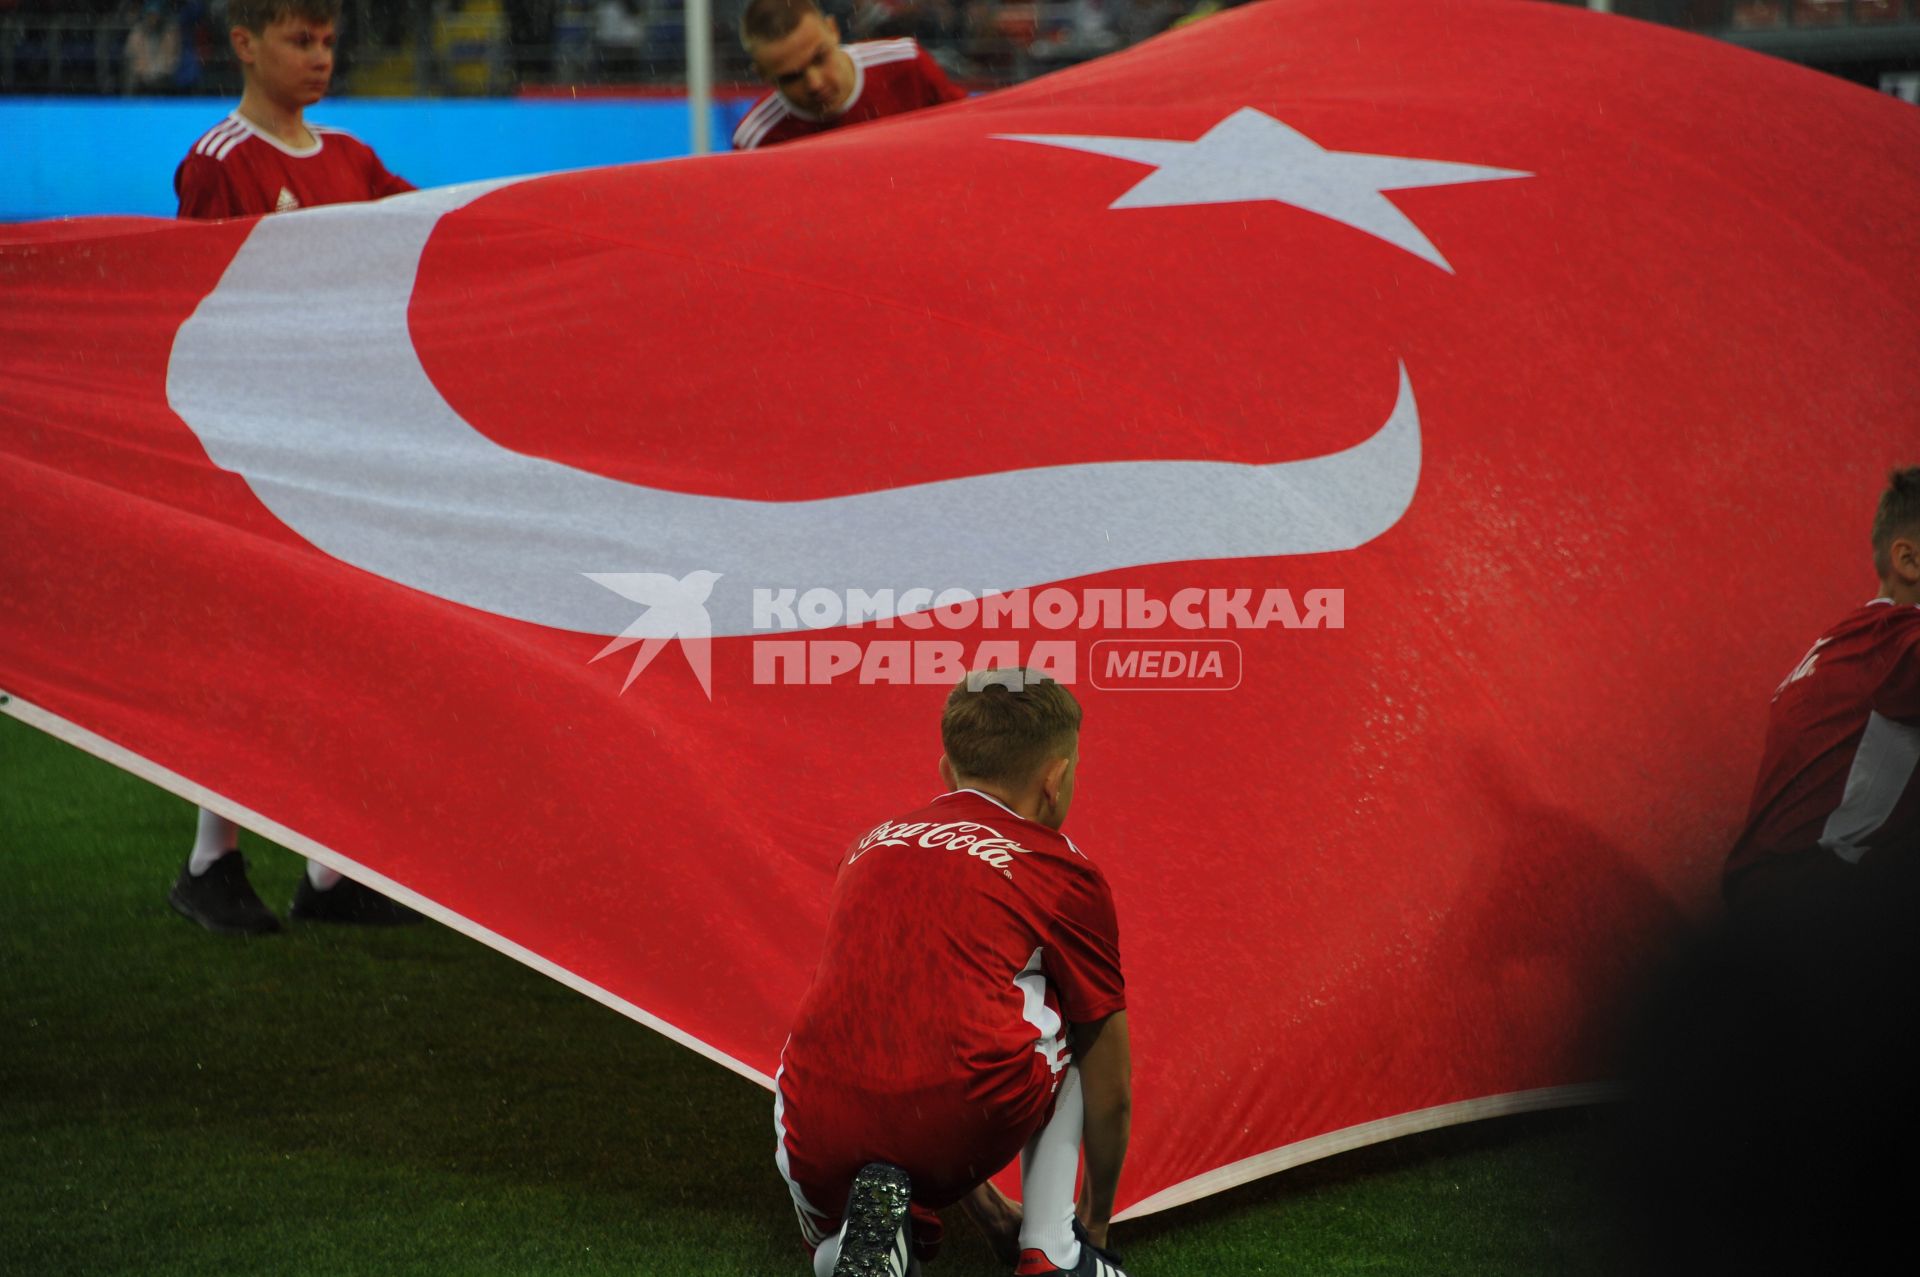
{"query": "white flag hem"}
pixel 148 770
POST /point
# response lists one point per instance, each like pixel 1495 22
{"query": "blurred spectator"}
pixel 1139 19
pixel 1088 32
pixel 197 45
pixel 393 21
pixel 530 34
pixel 1749 15
pixel 153 50
pixel 931 22
pixel 1819 13
pixel 619 36
pixel 1206 9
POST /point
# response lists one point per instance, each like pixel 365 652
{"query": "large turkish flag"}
pixel 1568 351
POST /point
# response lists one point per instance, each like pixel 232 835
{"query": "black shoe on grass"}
pixel 222 900
pixel 1093 1261
pixel 877 1236
pixel 349 902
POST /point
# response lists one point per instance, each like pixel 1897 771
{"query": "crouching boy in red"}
pixel 968 1008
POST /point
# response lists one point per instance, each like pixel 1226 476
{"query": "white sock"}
pixel 213 837
pixel 321 877
pixel 827 1254
pixel 1048 1167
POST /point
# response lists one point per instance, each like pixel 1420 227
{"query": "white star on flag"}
pixel 1252 156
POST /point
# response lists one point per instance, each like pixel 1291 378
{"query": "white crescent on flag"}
pixel 325 410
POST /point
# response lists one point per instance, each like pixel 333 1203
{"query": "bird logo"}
pixel 676 609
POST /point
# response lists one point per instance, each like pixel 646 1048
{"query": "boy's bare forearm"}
pixel 1106 1084
pixel 1106 1151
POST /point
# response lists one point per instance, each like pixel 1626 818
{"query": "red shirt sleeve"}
pixel 1898 696
pixel 939 87
pixel 201 183
pixel 382 183
pixel 1082 958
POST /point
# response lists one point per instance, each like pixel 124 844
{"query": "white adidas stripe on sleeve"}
pixel 214 136
pixel 881 52
pixel 228 143
pixel 759 122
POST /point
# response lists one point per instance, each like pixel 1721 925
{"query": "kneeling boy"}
pixel 968 1007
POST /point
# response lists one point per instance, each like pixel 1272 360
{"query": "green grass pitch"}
pixel 335 1101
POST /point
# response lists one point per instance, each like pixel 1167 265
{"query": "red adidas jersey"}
pixel 1843 740
pixel 890 77
pixel 962 939
pixel 235 170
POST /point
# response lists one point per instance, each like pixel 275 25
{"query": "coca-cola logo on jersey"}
pixel 980 841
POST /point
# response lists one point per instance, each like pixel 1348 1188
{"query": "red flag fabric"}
pixel 1495 392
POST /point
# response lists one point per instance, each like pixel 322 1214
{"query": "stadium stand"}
pixel 504 47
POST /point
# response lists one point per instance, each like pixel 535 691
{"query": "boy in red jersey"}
pixel 968 1007
pixel 1770 1119
pixel 265 158
pixel 820 84
pixel 1837 801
